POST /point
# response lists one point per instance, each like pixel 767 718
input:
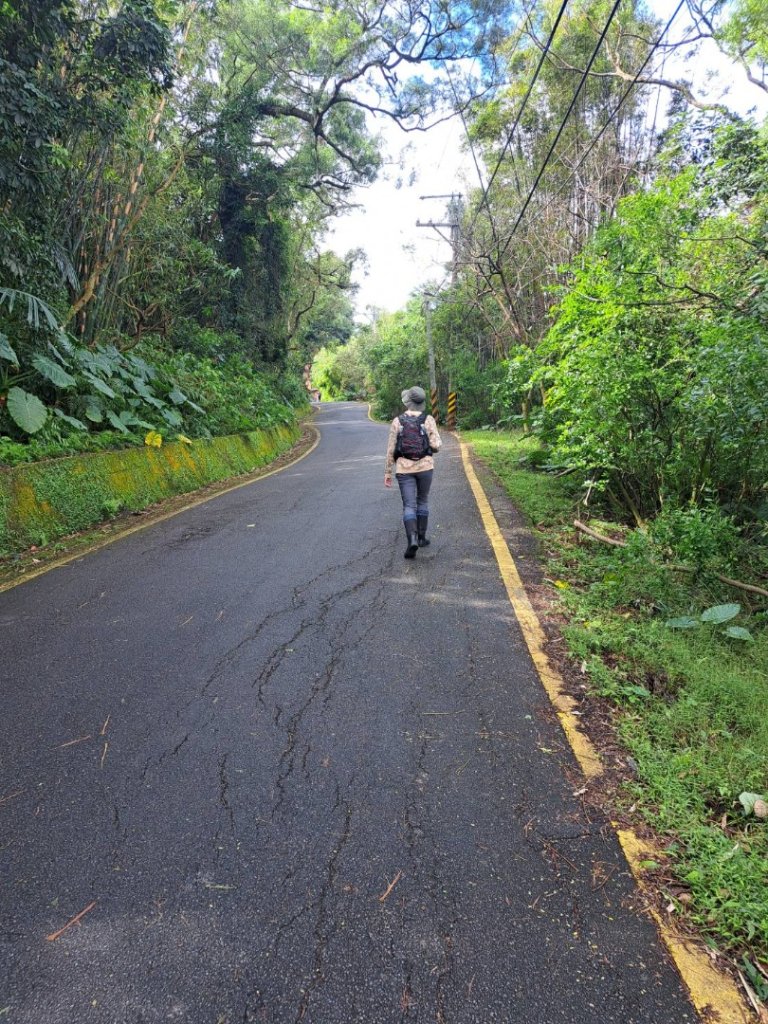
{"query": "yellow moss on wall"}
pixel 45 500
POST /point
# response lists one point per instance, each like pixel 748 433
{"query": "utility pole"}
pixel 454 212
pixel 428 297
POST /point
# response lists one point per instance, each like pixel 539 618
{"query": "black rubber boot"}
pixel 413 544
pixel 421 522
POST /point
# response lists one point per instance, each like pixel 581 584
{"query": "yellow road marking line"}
pixel 84 552
pixel 533 634
pixel 713 993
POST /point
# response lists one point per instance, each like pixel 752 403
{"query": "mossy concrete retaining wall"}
pixel 45 500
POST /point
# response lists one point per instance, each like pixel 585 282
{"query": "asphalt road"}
pixel 294 777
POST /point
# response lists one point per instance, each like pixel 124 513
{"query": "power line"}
pixel 608 121
pixel 508 142
pixel 633 83
pixel 584 76
pixel 459 107
pixel 629 89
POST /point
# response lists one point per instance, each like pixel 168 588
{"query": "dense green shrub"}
pixel 699 537
pixel 229 394
pixel 339 372
pixel 515 392
pixel 475 387
pixel 397 358
pixel 659 355
pixel 56 439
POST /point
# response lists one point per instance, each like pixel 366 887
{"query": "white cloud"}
pixel 402 256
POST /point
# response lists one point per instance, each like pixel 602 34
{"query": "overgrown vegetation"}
pixel 166 183
pixel 61 397
pixel 690 702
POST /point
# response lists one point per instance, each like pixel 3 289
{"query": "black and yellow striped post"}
pixel 433 402
pixel 451 422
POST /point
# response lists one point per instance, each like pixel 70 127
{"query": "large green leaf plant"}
pixel 48 375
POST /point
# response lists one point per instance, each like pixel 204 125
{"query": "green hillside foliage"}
pixel 648 378
pixel 166 184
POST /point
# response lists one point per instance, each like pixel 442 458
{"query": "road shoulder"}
pixel 713 991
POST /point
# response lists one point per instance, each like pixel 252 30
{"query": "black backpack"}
pixel 412 440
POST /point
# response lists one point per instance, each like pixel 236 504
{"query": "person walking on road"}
pixel 413 439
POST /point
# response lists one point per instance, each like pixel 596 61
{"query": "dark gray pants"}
pixel 414 490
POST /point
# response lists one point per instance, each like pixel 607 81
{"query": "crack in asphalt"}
pixel 321 687
pixel 224 791
pixel 276 658
pixel 370 553
pixel 287 758
pixel 324 928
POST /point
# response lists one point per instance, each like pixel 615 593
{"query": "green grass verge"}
pixel 691 705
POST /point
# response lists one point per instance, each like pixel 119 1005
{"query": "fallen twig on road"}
pixel 391 886
pixel 71 743
pixel 78 917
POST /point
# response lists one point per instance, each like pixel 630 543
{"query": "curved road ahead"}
pixel 294 777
